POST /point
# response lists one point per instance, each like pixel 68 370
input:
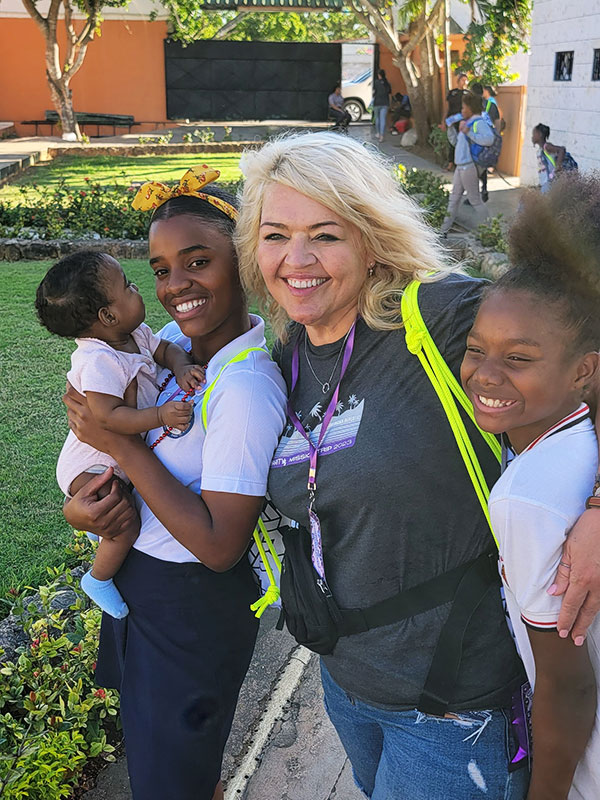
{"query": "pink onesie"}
pixel 97 367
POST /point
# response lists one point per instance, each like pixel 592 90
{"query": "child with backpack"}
pixel 474 144
pixel 552 158
pixel 86 296
pixel 531 355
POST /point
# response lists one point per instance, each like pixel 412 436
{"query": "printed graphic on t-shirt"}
pixel 341 433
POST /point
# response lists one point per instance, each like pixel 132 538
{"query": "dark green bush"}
pixel 428 190
pixel 491 234
pixel 63 212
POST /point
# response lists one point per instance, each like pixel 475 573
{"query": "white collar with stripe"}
pixel 508 454
pixel 583 412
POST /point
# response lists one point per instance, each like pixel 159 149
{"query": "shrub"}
pixel 204 136
pixel 438 140
pixel 97 211
pixel 52 716
pixel 427 189
pixel 491 234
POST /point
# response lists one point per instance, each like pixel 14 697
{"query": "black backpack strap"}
pixel 425 596
pixel 438 691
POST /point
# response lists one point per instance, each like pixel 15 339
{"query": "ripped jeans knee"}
pixel 409 755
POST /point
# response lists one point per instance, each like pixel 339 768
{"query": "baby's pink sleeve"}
pixel 147 338
pixel 103 372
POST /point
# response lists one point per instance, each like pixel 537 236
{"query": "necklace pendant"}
pixel 326 387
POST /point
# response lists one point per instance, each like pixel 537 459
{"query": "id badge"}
pixel 316 544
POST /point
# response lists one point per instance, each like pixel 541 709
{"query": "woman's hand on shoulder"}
pixel 113 514
pixel 578 577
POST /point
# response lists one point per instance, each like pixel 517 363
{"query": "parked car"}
pixel 358 95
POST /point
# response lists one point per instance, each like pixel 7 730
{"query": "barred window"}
pixel 563 66
pixel 596 66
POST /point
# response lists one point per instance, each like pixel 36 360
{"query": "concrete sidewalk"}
pixel 282 744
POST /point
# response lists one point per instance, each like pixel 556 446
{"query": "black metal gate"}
pixel 215 80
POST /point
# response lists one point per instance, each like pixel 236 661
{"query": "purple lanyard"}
pixel 315 525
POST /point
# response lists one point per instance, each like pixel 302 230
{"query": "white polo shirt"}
pixel 532 507
pixel 245 417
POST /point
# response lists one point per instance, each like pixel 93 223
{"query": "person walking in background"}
pixel 491 107
pixel 381 102
pixel 336 109
pixel 472 129
pixel 454 100
pixel 551 158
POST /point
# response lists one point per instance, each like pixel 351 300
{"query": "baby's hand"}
pixel 175 414
pixel 190 377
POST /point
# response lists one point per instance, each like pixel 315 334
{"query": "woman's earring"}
pixel 371 269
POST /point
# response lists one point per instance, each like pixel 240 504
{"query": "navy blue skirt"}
pixel 178 659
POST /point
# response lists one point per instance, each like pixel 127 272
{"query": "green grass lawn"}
pixel 107 169
pixel 33 425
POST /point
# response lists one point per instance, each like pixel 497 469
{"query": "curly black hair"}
pixel 555 249
pixel 196 207
pixel 72 292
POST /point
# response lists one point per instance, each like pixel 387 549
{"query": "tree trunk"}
pixel 414 89
pixel 62 97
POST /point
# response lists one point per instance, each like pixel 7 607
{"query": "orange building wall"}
pixel 393 74
pixel 123 73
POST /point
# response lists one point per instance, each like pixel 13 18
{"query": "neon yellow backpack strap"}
pixel 550 158
pixel 242 356
pixel 420 343
pixel 272 593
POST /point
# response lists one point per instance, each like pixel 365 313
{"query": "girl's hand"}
pixel 83 424
pixel 175 414
pixel 578 577
pixel 109 517
pixel 190 377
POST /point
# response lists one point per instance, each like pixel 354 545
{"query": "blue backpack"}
pixel 485 155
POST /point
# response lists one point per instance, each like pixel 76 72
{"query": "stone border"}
pixel 85 150
pixel 40 249
pixel 469 250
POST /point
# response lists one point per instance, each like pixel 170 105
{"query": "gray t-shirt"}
pixel 396 504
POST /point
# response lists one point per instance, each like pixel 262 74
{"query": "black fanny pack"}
pixel 315 620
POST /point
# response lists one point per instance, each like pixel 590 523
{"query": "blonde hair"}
pixel 356 183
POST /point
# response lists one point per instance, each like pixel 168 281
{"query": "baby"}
pixel 86 296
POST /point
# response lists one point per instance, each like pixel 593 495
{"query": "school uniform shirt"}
pixel 533 506
pixel 396 504
pixel 245 416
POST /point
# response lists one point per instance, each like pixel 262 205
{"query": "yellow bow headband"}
pixel 153 194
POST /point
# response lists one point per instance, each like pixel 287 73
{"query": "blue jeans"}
pixel 380 113
pixel 408 755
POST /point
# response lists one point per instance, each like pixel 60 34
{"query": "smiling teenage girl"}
pixel 530 356
pixel 181 659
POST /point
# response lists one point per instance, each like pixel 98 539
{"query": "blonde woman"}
pixel 327 240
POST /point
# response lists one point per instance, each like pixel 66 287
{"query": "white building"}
pixel 564 81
